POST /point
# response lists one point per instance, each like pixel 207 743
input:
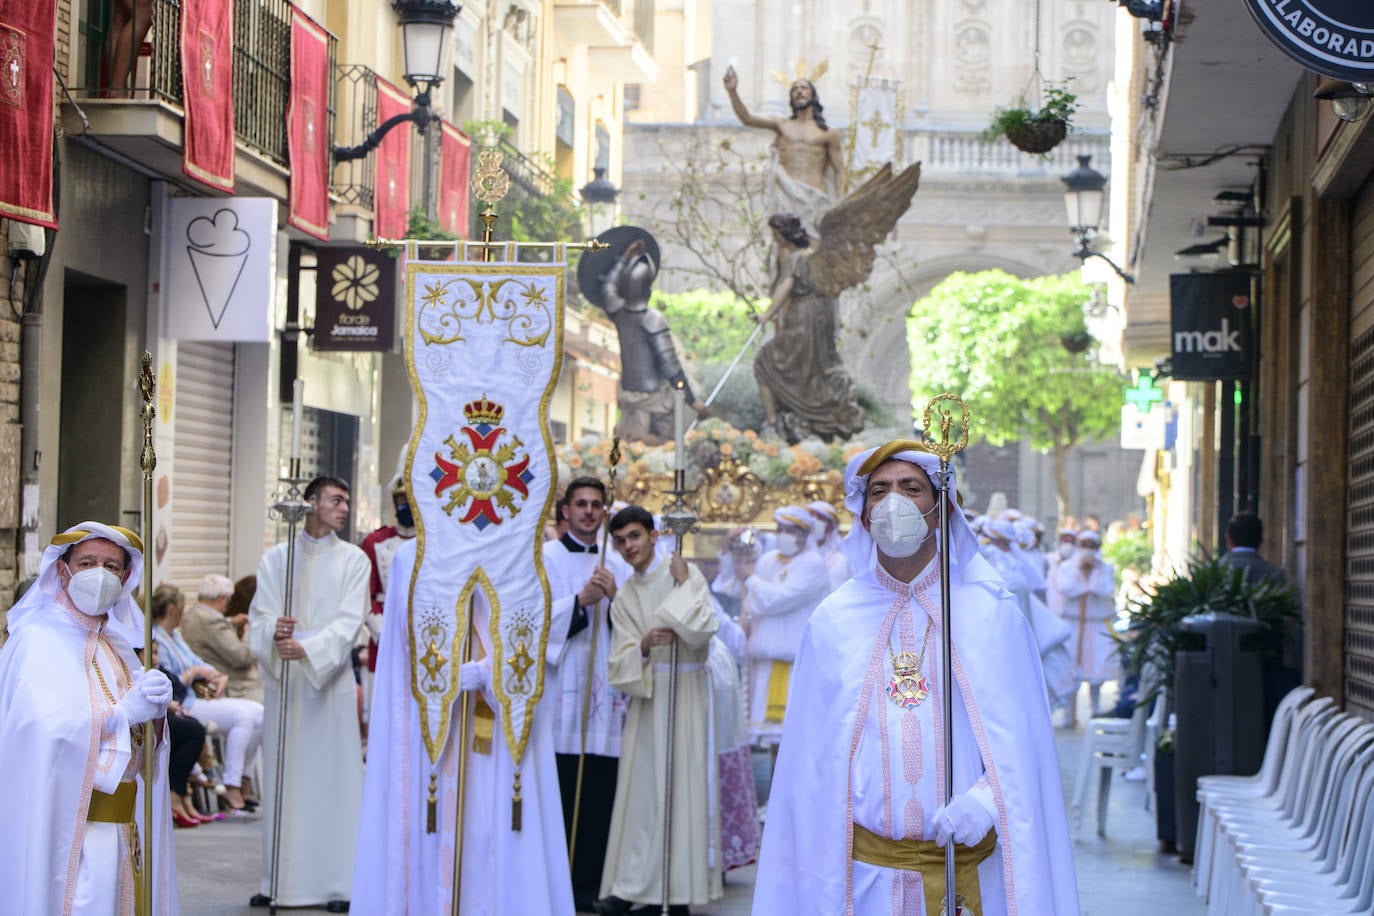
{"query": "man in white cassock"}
pixel 402 867
pixel 73 700
pixel 661 603
pixel 323 768
pixel 576 679
pixel 777 594
pixel 1086 587
pixel 856 815
pixel 825 537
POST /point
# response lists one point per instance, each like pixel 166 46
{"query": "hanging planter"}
pixel 1035 130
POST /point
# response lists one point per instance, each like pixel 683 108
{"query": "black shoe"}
pixel 612 906
pixel 336 906
pixel 259 900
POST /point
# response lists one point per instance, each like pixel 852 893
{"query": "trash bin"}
pixel 1219 701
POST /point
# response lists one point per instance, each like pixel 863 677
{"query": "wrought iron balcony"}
pixel 355 181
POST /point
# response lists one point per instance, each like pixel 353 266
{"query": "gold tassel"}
pixel 432 809
pixel 515 805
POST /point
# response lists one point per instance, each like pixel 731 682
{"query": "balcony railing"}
pixel 262 68
pixel 355 181
pixel 951 152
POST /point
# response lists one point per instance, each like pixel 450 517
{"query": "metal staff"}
pixel 679 520
pixel 147 460
pixel 614 461
pixel 729 371
pixel 290 508
pixel 941 405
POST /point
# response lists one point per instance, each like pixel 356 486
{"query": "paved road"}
pixel 1120 875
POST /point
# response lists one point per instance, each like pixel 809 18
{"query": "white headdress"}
pixel 795 515
pixel 125 617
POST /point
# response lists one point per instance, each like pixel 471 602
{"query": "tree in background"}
pixel 1019 353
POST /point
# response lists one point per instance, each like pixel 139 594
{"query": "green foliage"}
pixel 1059 105
pixel 996 340
pixel 710 325
pixel 1127 549
pixel 419 226
pixel 552 217
pixel 738 403
pixel 1207 585
pixel 486 131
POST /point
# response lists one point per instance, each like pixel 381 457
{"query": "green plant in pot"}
pixel 1035 130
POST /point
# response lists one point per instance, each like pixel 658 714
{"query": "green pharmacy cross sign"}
pixel 1144 395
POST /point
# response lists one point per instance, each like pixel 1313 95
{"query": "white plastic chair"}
pixel 1110 746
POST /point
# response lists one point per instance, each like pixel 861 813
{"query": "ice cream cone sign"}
pixel 218 250
pixel 220 263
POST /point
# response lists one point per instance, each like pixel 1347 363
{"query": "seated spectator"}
pixel 218 638
pixel 239 720
pixel 186 737
pixel 242 600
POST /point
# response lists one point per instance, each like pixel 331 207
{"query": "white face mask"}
pixel 94 591
pixel 897 526
pixel 1087 553
pixel 789 545
pixel 1065 551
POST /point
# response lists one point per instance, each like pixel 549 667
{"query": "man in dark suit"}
pixel 1244 534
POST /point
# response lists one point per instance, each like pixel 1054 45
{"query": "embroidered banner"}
pixel 393 165
pixel 307 139
pixel 484 345
pixel 455 153
pixel 26 54
pixel 207 91
pixel 874 135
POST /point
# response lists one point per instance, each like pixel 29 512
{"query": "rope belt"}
pixel 926 857
pixel 117 808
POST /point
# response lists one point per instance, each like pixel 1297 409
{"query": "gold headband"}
pixel 793 520
pixel 74 537
pixel 884 452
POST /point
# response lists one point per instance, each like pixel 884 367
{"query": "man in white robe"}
pixel 576 680
pixel 777 595
pixel 73 700
pixel 323 767
pixel 825 537
pixel 733 779
pixel 857 821
pixel 401 867
pixel 661 603
pixel 1086 586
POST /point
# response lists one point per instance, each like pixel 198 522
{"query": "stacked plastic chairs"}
pixel 1297 837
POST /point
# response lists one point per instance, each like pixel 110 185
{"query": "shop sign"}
pixel 355 300
pixel 1332 37
pixel 1210 327
pixel 220 254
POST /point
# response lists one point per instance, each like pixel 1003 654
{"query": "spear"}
pixel 147 384
pixel 614 460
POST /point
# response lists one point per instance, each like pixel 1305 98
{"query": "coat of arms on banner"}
pixel 484 345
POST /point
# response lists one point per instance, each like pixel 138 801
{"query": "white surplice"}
pixel 849 755
pixel 61 739
pixel 323 777
pixel 403 869
pixel 1087 604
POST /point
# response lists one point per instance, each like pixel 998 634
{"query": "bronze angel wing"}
pixel 852 229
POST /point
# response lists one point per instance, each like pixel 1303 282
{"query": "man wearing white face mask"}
pixel 856 819
pixel 73 699
pixel 1087 585
pixel 777 594
pixel 825 538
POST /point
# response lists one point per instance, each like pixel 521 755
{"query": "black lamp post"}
pixel 425 27
pixel 598 196
pixel 1084 191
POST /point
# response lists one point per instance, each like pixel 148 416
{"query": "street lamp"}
pixel 425 27
pixel 1084 189
pixel 598 196
pixel 1349 101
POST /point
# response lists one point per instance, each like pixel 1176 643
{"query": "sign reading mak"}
pixel 1211 326
pixel 1332 37
pixel 355 300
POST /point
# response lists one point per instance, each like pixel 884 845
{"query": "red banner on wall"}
pixel 307 140
pixel 393 165
pixel 455 154
pixel 26 55
pixel 207 91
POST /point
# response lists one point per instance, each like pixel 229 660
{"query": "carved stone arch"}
pixel 874 336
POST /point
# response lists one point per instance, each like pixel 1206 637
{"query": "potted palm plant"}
pixel 1031 129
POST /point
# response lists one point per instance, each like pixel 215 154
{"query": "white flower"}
pixel 355 282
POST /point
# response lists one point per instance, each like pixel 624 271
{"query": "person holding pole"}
pixel 74 699
pixel 864 810
pixel 320 762
pixel 588 712
pixel 662 604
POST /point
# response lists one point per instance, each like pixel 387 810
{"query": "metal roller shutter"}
pixel 204 424
pixel 1359 550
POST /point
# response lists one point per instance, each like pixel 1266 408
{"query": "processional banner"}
pixel 484 346
pixel 26 80
pixel 876 136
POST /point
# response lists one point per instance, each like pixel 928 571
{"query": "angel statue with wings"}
pixel 805 387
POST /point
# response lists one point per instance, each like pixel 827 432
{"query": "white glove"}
pixel 964 819
pixel 147 698
pixel 474 676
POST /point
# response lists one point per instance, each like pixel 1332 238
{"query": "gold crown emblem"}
pixel 483 411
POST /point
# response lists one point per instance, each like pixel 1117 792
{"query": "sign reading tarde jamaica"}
pixel 355 300
pixel 1332 37
pixel 483 346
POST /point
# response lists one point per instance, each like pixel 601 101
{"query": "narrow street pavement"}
pixel 1122 874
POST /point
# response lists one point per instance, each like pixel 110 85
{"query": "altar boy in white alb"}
pixel 323 777
pixel 856 820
